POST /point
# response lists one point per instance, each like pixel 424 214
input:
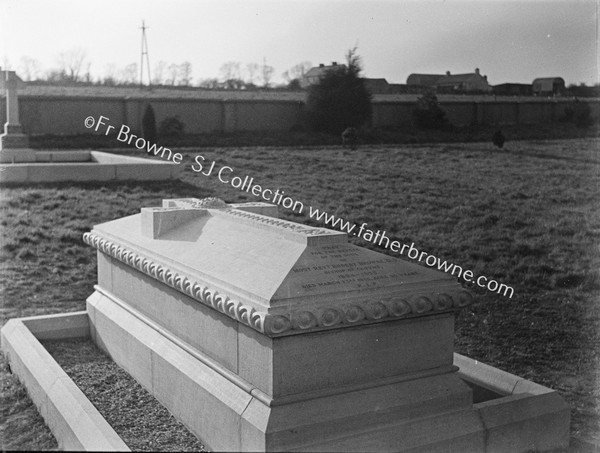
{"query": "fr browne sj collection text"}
pixel 225 174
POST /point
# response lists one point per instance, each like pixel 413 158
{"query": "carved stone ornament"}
pixel 292 321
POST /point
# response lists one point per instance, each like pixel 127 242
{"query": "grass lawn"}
pixel 526 216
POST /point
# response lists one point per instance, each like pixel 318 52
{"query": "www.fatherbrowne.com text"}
pixel 226 175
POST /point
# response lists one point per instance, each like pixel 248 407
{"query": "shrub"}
pixel 579 113
pixel 149 125
pixel 568 115
pixel 340 99
pixel 583 115
pixel 428 114
pixel 171 127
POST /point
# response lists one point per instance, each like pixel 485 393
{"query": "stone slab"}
pixel 83 166
pixel 63 156
pixel 526 422
pixel 315 424
pixel 288 365
pixel 74 421
pixel 59 326
pixel 22 154
pixel 533 417
pixel 328 361
pixel 278 277
pixel 199 396
pixel 13 141
pixel 527 416
pixel 226 414
pixel 121 344
pixel 204 329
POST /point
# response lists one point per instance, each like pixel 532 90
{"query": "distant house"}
pixel 512 89
pixel 463 83
pixel 313 75
pixel 451 83
pixel 548 86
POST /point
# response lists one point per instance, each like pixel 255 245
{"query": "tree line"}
pixel 74 67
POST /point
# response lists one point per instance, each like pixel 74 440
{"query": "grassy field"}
pixel 526 216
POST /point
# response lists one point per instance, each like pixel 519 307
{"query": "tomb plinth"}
pixel 21 164
pixel 14 144
pixel 262 334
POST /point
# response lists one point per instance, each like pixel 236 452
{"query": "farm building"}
pixel 451 83
pixel 313 75
pixel 463 83
pixel 548 86
pixel 423 80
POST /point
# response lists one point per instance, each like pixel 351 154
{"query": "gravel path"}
pixel 138 418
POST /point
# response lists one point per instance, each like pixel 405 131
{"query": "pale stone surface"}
pixel 44 166
pixel 195 324
pixel 121 343
pixel 227 417
pixel 205 400
pixel 306 363
pixel 60 326
pixel 13 137
pixel 74 421
pixel 527 417
pixel 158 221
pixel 263 334
pixel 11 155
pixel 276 276
pixel 526 423
pixel 283 336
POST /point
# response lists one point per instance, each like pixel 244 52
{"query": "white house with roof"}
pixel 313 75
pixel 472 82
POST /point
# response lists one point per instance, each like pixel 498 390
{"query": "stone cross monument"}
pixel 14 144
pixel 13 136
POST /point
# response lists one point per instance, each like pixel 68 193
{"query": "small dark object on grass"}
pixel 350 138
pixel 498 139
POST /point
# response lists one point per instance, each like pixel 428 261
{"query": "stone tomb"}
pixel 263 334
pixel 21 164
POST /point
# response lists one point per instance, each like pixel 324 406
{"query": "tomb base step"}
pixel 511 413
pixel 426 414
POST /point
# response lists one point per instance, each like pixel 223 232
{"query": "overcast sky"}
pixel 510 41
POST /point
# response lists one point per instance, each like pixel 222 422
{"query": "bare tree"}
pixel 298 71
pixel 251 70
pixel 159 72
pixel 129 75
pixel 6 64
pixel 110 75
pixel 54 75
pixel 29 68
pixel 209 83
pixel 87 76
pixel 173 73
pixel 185 73
pixel 266 73
pixel 230 70
pixel 71 62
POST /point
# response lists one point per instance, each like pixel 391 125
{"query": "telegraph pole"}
pixel 144 53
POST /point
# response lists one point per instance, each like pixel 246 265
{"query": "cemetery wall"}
pixel 64 115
